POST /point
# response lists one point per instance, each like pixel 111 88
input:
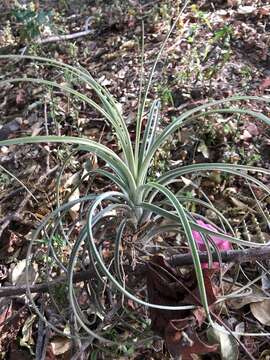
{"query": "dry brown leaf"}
pixel 200 315
pixel 60 345
pixel 71 180
pixel 264 10
pixel 183 341
pixel 21 98
pixel 233 2
pixel 253 129
pixel 261 311
pixel 246 135
pixel 244 299
pixel 265 84
pixel 18 273
pixel 27 332
pixel 10 330
pixel 238 203
pixel 265 355
pixel 202 148
pixel 73 211
pixel 130 44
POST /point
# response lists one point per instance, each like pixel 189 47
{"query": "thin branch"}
pixel 235 256
pixel 43 287
pixel 75 35
pixel 56 38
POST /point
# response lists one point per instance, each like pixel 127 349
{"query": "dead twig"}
pixel 72 36
pixel 56 38
pixel 235 256
pixel 43 287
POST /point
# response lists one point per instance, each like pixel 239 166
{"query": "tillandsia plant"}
pixel 127 220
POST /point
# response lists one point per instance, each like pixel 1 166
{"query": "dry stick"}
pixel 75 35
pixel 236 256
pixel 43 287
pixel 64 37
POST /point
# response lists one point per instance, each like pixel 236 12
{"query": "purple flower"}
pixel 221 243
